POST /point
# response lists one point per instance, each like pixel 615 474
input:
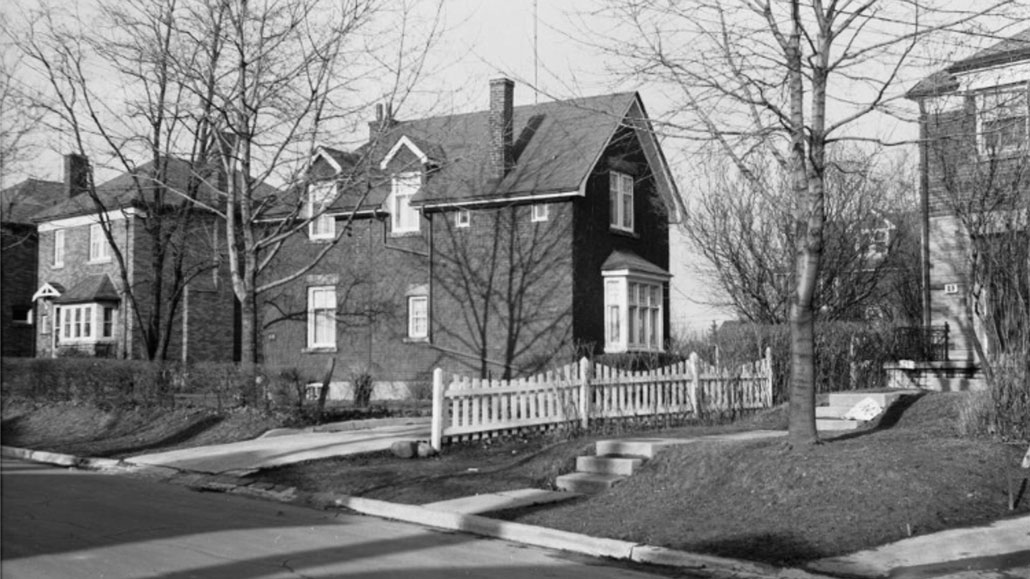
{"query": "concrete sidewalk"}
pixel 1004 545
pixel 270 451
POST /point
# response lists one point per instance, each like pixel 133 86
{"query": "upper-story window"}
pixel 59 248
pixel 541 212
pixel 403 217
pixel 1002 122
pixel 463 218
pixel 320 196
pixel 99 250
pixel 620 201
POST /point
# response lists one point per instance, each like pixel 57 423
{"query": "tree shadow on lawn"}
pixel 192 430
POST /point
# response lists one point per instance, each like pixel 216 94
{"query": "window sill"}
pixel 410 340
pixel 319 350
pixel 99 261
pixel 414 233
pixel 624 232
pixel 322 239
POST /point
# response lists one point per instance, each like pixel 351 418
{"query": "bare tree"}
pixel 19 119
pixel 756 76
pixel 746 235
pixel 287 79
pixel 78 64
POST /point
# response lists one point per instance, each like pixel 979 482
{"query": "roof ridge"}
pixel 515 108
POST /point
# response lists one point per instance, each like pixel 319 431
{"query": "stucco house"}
pixel 975 170
pixel 82 300
pixel 490 243
pixel 18 253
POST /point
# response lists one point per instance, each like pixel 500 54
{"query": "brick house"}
pixel 82 303
pixel 975 180
pixel 492 243
pixel 18 252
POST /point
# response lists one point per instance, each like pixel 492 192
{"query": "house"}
pixel 491 243
pixel 98 299
pixel 975 170
pixel 18 251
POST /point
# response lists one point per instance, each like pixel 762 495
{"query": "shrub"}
pixel 363 385
pixel 1003 410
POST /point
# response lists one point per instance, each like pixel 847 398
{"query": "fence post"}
pixel 584 393
pixel 694 383
pixel 436 439
pixel 768 378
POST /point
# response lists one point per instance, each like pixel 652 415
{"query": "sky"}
pixel 485 39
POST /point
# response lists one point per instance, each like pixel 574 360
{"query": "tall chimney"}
pixel 76 174
pixel 383 121
pixel 501 130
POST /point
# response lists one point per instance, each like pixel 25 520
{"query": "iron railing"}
pixel 922 344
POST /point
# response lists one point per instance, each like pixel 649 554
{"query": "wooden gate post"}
pixel 584 393
pixel 436 439
pixel 694 382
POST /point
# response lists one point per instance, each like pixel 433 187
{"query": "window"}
pixel 418 317
pixel 85 322
pixel 633 315
pixel 541 211
pixel 99 250
pixel 403 217
pixel 463 218
pixel 320 196
pixel 21 315
pixel 620 201
pixel 107 323
pixel 1002 122
pixel 59 248
pixel 322 317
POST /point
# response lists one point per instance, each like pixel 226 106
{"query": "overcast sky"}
pixel 487 39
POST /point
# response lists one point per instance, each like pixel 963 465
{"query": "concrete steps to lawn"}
pixel 831 418
pixel 613 462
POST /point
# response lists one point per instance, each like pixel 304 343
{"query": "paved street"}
pixel 59 523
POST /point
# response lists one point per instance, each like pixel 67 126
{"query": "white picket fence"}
pixel 583 392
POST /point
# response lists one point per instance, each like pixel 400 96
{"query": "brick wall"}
pixel 16 288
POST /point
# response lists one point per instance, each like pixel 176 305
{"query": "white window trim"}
pixel 463 218
pixel 322 225
pixel 59 247
pixel 414 331
pixel 617 315
pixel 330 342
pixel 983 114
pixel 99 248
pixel 541 212
pixel 617 188
pixel 65 314
pixel 397 225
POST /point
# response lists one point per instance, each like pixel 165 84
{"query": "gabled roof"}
pixel 1012 49
pixel 121 192
pixel 555 145
pixel 95 288
pixel 20 203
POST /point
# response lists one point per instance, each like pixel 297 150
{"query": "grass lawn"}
pixel 758 500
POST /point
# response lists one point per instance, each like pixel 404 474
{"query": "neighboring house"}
pixel 491 243
pixel 975 171
pixel 18 254
pixel 82 303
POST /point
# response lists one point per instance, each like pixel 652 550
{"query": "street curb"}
pixel 720 567
pixel 58 459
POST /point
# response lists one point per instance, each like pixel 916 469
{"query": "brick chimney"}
pixel 383 122
pixel 76 174
pixel 502 158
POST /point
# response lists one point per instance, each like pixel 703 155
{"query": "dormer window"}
pixel 403 217
pixel 620 201
pixel 1002 122
pixel 320 196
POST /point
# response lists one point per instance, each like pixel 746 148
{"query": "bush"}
pixel 1003 410
pixel 362 382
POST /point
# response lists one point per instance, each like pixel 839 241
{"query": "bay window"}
pixel 633 314
pixel 82 323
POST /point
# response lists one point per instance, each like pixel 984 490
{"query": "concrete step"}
pixel 633 447
pixel 850 399
pixel 831 411
pixel 834 424
pixel 608 464
pixel 587 483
